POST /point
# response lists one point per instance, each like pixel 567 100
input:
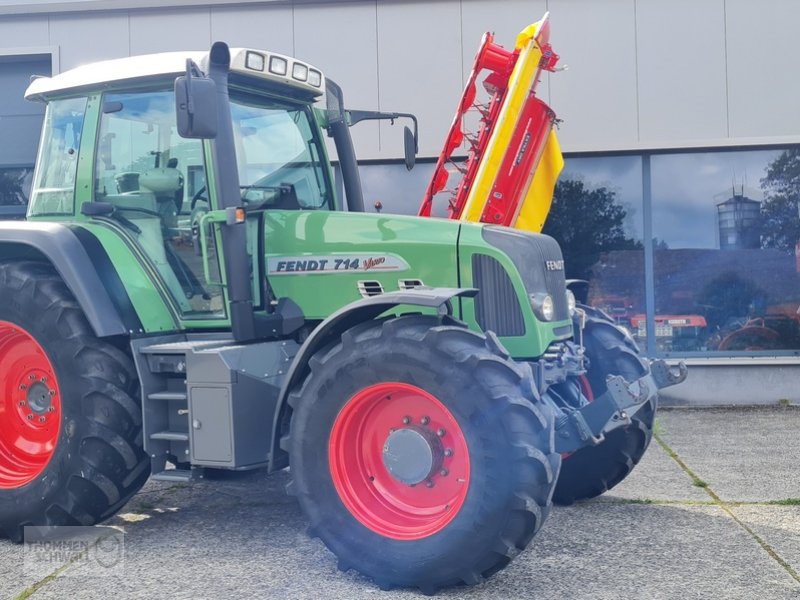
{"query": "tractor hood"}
pixel 324 260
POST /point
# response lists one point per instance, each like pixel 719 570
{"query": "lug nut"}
pixel 406 420
pixel 424 420
pixel 32 377
pixel 444 472
pixel 30 417
pixel 440 432
pixel 42 419
pixel 51 409
pixel 429 484
pixel 22 402
pixel 52 392
pixel 448 452
pixel 22 386
pixel 44 379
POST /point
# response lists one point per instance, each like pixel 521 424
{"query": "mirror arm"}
pixel 356 116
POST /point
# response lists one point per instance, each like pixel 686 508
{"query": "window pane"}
pixel 278 155
pixel 597 219
pixel 726 228
pixel 54 186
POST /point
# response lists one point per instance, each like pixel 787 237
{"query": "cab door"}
pixel 155 181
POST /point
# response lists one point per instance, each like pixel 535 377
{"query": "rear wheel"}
pixel 70 422
pixel 593 470
pixel 421 453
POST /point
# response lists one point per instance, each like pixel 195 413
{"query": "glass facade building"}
pixel 696 253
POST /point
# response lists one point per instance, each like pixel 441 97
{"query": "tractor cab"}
pixel 153 184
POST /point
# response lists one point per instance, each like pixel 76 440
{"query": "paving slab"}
pixel 656 477
pixel 778 526
pixel 745 455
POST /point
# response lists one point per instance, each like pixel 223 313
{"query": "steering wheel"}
pixel 198 196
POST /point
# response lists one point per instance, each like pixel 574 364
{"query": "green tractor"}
pixel 188 296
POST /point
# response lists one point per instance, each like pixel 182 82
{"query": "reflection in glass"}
pixel 726 228
pixel 596 217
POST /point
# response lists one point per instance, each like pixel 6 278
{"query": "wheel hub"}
pixel 412 455
pixel 39 397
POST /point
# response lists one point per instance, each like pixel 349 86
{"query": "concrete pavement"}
pixel 713 511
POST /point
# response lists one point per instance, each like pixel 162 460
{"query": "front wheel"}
pixel 593 470
pixel 421 453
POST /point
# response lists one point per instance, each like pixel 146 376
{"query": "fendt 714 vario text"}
pixel 189 295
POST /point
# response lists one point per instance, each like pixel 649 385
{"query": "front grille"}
pixel 531 253
pixel 497 305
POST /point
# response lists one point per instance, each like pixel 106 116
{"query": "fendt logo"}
pixel 554 265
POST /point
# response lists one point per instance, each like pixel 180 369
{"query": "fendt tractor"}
pixel 189 295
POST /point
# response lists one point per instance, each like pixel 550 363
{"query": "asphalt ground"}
pixel 712 511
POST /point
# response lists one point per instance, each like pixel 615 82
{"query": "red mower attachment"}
pixel 513 160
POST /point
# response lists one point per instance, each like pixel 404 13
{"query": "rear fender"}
pixel 84 267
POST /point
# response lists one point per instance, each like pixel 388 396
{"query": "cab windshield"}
pixel 278 152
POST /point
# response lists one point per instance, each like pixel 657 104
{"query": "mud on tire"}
pixel 507 430
pixel 98 462
pixel 593 470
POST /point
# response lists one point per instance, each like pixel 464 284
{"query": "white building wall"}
pixel 642 73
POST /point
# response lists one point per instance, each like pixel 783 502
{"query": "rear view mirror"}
pixel 410 147
pixel 195 104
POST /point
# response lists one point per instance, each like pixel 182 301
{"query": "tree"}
pixel 779 222
pixel 586 222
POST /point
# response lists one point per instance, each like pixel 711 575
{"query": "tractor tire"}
pixel 420 453
pixel 70 420
pixel 593 470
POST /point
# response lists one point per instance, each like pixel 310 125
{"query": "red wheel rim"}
pixel 30 408
pixel 369 429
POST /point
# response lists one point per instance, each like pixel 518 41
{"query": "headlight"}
pixel 300 72
pixel 255 61
pixel 571 303
pixel 543 306
pixel 277 65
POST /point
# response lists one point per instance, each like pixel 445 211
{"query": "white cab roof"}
pixel 100 74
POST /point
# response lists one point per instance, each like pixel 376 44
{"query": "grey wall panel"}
pixel 266 27
pixel 25 131
pixel 20 120
pixel 88 38
pixel 15 74
pixel 596 97
pixel 763 67
pixel 682 83
pixel 21 32
pixel 343 42
pixel 169 30
pixel 419 62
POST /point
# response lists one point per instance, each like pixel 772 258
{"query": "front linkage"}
pixel 584 421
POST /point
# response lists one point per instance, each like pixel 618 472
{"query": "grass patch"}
pixel 785 502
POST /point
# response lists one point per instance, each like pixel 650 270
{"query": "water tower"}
pixel 737 219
